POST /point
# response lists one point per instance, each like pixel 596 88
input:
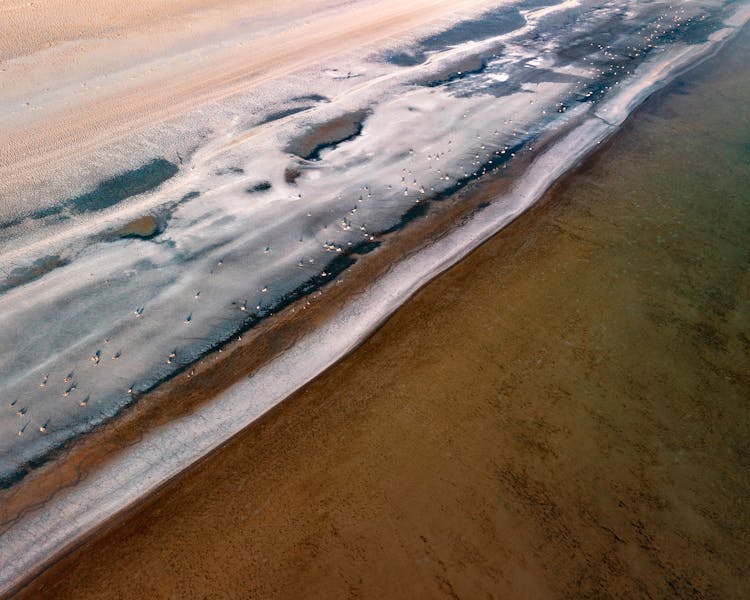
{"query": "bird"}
pixel 138 312
pixel 188 319
pixel 43 427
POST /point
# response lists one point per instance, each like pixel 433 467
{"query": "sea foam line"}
pixel 41 536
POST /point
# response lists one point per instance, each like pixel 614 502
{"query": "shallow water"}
pixel 563 414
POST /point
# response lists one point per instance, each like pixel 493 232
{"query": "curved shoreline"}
pixel 338 338
pixel 218 240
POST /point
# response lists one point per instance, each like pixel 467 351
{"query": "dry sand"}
pixel 562 414
pixel 79 77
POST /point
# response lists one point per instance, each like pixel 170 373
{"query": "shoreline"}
pixel 503 215
pixel 219 240
pixel 515 473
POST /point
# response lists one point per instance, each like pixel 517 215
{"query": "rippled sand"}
pixel 562 414
pixel 80 79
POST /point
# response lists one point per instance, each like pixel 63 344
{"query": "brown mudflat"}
pixel 161 63
pixel 563 414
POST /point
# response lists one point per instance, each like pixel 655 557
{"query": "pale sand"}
pixel 83 79
pixel 560 415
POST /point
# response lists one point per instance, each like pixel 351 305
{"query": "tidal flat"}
pixel 562 414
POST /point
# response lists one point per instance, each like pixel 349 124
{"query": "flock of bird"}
pixel 490 152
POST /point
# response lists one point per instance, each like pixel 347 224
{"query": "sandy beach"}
pixel 80 80
pixel 562 414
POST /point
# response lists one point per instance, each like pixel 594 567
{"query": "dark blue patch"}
pixel 189 196
pixel 458 75
pixel 311 98
pixel 263 186
pixel 22 275
pixel 492 23
pixel 362 248
pixel 405 59
pixel 231 171
pixel 529 4
pixel 131 183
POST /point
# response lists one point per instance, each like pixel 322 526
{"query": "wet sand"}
pixel 562 414
pixel 80 82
